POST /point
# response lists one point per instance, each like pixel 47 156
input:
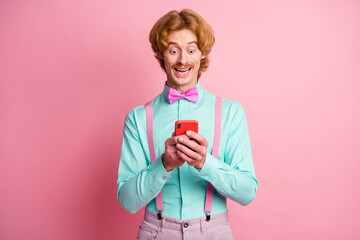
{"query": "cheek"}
pixel 168 66
pixel 169 62
pixel 166 63
pixel 197 61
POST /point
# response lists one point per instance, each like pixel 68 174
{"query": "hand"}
pixel 170 158
pixel 193 152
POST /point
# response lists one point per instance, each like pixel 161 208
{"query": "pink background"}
pixel 69 72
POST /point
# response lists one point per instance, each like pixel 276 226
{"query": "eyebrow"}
pixel 187 43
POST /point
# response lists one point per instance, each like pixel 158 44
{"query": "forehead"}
pixel 182 37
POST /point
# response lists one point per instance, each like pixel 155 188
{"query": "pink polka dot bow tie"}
pixel 191 95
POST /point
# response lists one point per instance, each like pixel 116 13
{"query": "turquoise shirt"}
pixel 232 174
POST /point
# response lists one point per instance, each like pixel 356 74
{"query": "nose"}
pixel 183 58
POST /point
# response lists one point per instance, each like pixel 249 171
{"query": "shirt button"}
pixel 186 225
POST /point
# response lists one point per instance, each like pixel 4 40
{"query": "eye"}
pixel 173 51
pixel 192 51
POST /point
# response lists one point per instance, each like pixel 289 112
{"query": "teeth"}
pixel 183 71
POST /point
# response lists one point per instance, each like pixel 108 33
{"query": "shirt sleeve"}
pixel 138 181
pixel 233 177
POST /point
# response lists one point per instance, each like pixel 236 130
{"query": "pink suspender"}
pixel 215 152
pixel 149 127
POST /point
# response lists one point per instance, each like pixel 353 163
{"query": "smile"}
pixel 182 71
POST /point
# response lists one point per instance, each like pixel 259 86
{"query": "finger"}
pixel 174 140
pixel 188 152
pixel 199 138
pixel 171 141
pixel 185 158
pixel 183 136
pixel 189 143
pixel 194 145
pixel 173 134
pixel 170 151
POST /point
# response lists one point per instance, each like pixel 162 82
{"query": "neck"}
pixel 181 89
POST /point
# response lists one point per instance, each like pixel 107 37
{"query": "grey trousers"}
pixel 173 229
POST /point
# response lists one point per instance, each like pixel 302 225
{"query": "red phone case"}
pixel 181 126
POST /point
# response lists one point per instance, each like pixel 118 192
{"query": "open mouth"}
pixel 182 71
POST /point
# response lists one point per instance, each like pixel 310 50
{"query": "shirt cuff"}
pixel 209 169
pixel 158 171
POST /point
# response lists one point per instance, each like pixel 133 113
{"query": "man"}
pixel 181 180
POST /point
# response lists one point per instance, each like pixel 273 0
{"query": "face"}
pixel 182 60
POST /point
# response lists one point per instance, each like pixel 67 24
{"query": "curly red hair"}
pixel 175 21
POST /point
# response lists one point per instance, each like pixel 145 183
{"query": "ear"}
pixel 159 55
pixel 203 56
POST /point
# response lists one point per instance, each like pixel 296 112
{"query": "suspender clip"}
pixel 208 216
pixel 160 216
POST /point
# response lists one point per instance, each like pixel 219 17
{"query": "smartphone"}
pixel 181 126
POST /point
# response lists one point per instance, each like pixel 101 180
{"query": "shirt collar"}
pixel 198 86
